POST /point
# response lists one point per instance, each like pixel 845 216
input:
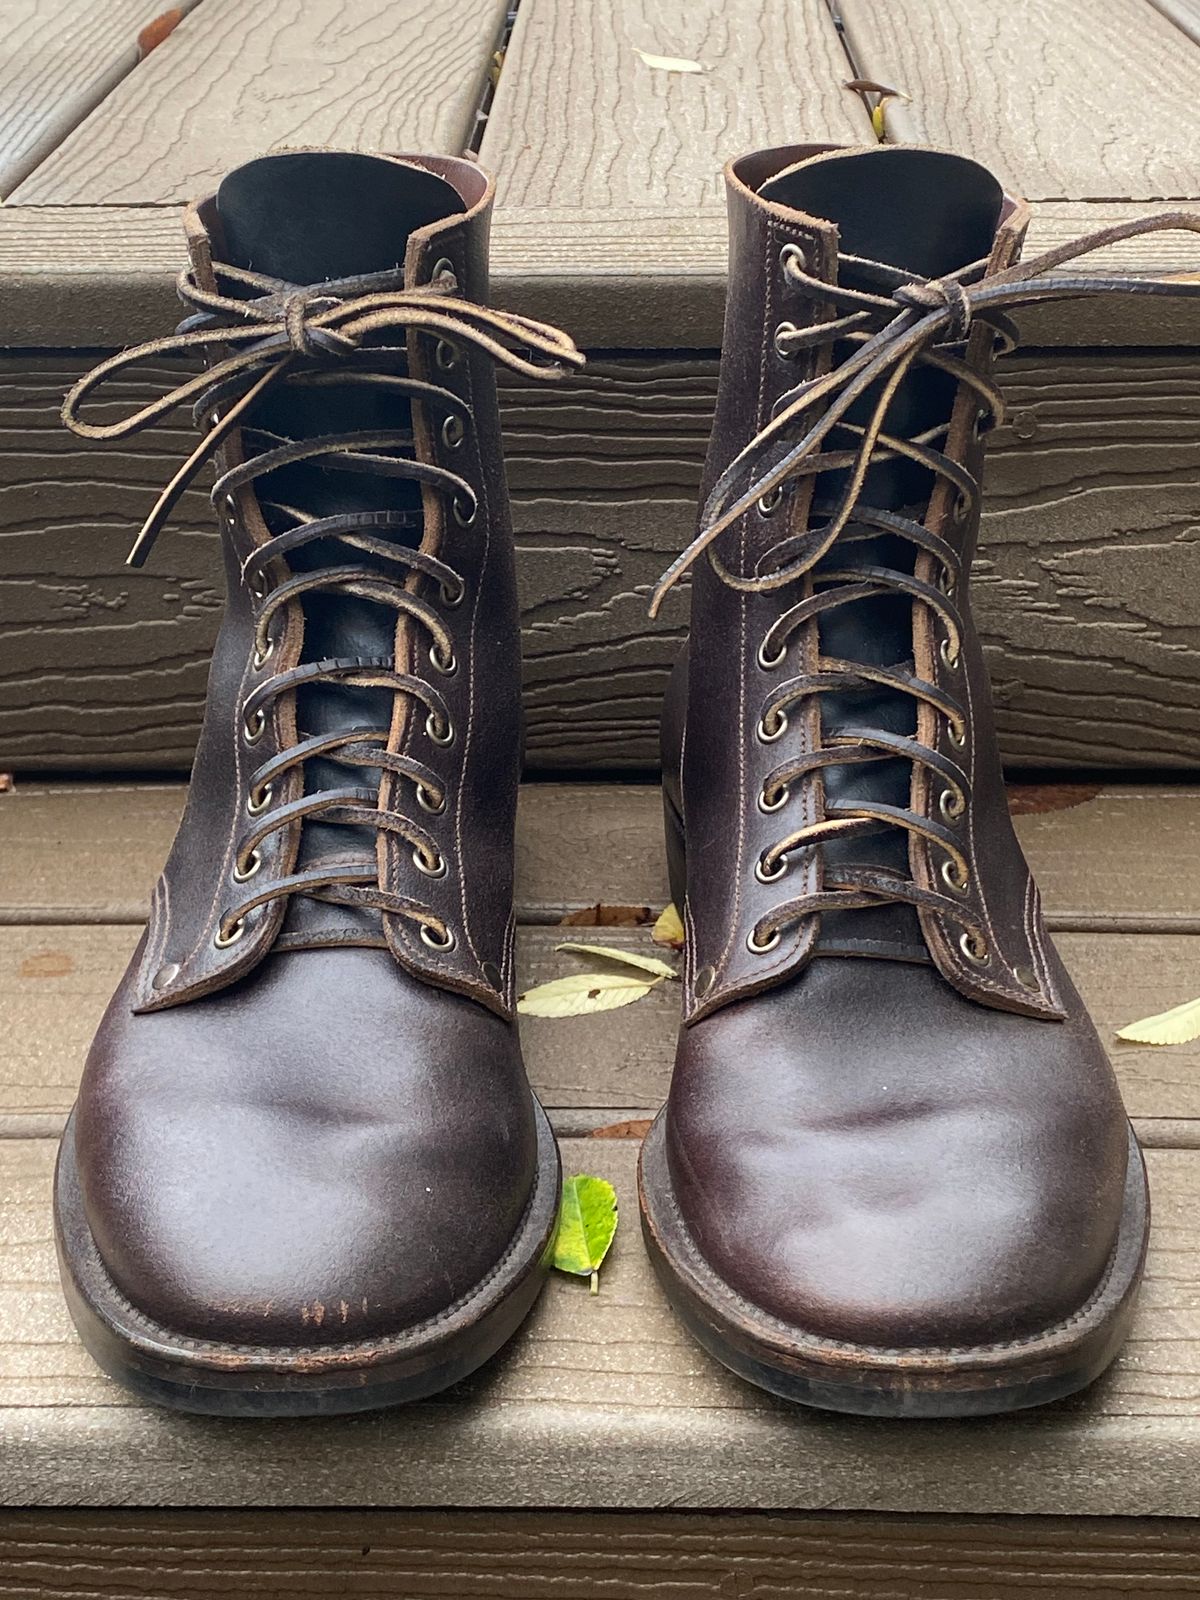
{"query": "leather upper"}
pixel 869 1136
pixel 320 1130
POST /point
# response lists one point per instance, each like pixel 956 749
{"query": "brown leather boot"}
pixel 306 1172
pixel 894 1174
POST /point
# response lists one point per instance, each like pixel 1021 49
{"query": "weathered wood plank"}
pixel 590 1401
pixel 592 1555
pixel 56 980
pixel 1123 858
pixel 231 82
pixel 89 853
pixel 1057 106
pixel 1184 14
pixel 58 60
pixel 615 133
pixel 81 276
pixel 1090 554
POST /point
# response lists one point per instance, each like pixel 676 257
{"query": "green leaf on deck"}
pixel 627 958
pixel 585 992
pixel 587 1222
pixel 1180 1025
pixel 669 929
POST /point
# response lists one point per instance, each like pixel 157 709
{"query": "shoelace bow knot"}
pixel 272 332
pixel 919 321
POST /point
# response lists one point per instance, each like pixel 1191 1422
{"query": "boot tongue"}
pixel 926 214
pixel 309 216
pixel 923 211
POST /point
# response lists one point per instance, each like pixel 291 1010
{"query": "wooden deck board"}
pixel 1125 857
pixel 602 1401
pixel 232 82
pixel 1088 562
pixel 616 133
pixel 56 980
pixel 597 1555
pixel 58 60
pixel 1061 103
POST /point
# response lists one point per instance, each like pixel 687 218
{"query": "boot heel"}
pixel 676 855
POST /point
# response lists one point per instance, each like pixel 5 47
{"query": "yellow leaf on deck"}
pixel 627 958
pixel 669 63
pixel 1178 1026
pixel 668 929
pixel 585 992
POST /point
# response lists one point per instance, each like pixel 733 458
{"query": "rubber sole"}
pixel 836 1376
pixel 228 1380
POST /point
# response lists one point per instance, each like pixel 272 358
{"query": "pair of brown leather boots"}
pixel 306 1172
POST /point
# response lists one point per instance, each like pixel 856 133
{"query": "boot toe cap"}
pixel 957 1200
pixel 317 1185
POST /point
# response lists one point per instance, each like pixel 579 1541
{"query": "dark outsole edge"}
pixel 226 1380
pixel 837 1376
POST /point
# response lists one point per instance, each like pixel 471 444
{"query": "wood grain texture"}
pixel 602 1401
pixel 1090 553
pixel 1126 859
pixel 599 1555
pixel 234 81
pixel 610 131
pixel 55 982
pixel 86 276
pixel 1060 102
pixel 58 60
pixel 1184 14
pixel 89 853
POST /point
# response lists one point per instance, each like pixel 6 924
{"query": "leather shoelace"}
pixel 274 333
pixel 921 321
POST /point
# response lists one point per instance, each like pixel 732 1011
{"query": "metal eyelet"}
pixel 957 734
pixel 764 875
pixel 464 518
pixel 429 937
pixel 443 268
pixel 984 423
pixel 945 582
pixel 954 877
pixel 453 432
pixel 793 255
pixel 427 803
pixel 962 504
pixel 453 597
pixel 261 657
pixel 256 804
pixel 766 735
pixel 777 804
pixel 781 332
pixel 436 732
pixel 242 874
pixel 432 869
pixel 445 355
pixel 948 653
pixel 952 803
pixel 975 947
pixel 770 502
pixel 230 506
pixel 257 586
pixel 223 938
pixel 253 727
pixel 769 663
pixel 769 943
pixel 1028 979
pixel 446 665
